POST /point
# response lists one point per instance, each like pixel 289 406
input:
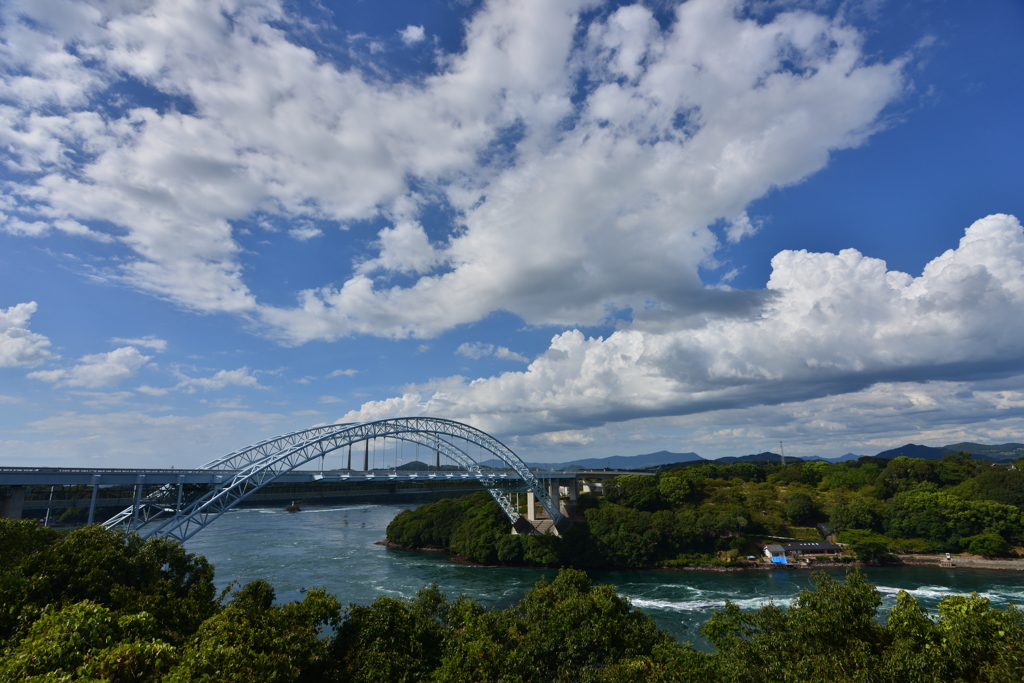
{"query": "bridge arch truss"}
pixel 251 468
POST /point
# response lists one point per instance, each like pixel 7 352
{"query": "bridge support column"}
pixel 181 484
pixel 574 490
pixel 138 501
pixel 554 490
pixel 13 502
pixel 531 506
pixel 92 499
pixel 366 456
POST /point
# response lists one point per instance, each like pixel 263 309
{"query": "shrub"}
pixel 635 491
pixel 987 545
pixel 801 510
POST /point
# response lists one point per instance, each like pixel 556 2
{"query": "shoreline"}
pixel 962 562
pixel 957 562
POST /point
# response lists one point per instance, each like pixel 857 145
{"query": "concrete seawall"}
pixel 963 562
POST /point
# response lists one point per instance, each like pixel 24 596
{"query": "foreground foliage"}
pixel 695 512
pixel 92 605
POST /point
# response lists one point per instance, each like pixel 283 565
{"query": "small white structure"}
pixel 775 553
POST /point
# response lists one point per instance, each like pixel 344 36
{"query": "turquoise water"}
pixel 334 547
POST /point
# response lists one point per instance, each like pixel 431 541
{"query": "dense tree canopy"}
pixel 700 512
pixel 44 569
pixel 832 634
pixel 566 630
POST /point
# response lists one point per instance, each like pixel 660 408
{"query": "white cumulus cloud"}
pixel 475 350
pixel 305 233
pixel 832 324
pixel 19 345
pixel 412 34
pixel 566 202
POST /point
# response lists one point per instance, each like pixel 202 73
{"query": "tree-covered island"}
pixel 708 513
pixel 95 606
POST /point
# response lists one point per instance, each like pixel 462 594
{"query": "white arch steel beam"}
pixel 255 466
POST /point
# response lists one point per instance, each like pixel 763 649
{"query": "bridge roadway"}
pixel 58 476
pixel 13 480
pixel 219 485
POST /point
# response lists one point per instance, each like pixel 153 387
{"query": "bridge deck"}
pixel 55 476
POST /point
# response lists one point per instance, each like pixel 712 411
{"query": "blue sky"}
pixel 590 229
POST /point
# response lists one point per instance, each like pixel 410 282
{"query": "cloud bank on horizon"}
pixel 583 168
pixel 833 324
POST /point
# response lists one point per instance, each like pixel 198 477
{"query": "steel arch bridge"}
pixel 249 469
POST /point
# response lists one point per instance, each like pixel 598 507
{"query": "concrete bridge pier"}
pixel 532 523
pixel 568 507
pixel 13 501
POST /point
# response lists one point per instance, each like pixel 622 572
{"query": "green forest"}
pixel 708 513
pixel 92 605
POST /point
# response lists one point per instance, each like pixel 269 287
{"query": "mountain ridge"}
pixel 998 452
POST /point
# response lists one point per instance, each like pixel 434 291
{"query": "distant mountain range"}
pixel 620 462
pixel 915 451
pixel 998 453
pixel 1006 451
pixel 636 462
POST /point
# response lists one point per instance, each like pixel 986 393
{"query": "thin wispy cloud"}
pixel 148 342
pixel 477 350
pixel 242 377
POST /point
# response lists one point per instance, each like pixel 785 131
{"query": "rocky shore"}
pixel 425 549
pixel 957 562
pixel 963 562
